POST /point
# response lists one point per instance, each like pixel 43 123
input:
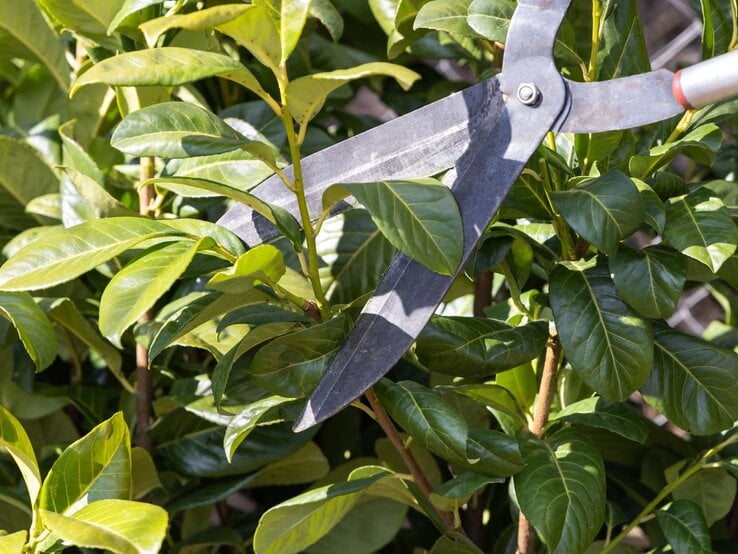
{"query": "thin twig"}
pixel 415 470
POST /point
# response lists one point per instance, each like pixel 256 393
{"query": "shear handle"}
pixel 707 82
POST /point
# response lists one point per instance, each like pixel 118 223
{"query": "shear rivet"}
pixel 528 93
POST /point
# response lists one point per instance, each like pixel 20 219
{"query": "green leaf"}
pixel 493 453
pixel 24 175
pixel 717 28
pixel 289 18
pixel 175 130
pixel 685 528
pixel 602 413
pixel 712 490
pixel 237 169
pixel 660 273
pixel 700 144
pixel 355 254
pixel 325 12
pixel 263 264
pixel 167 66
pixel 293 364
pixel 693 383
pixel 91 198
pixel 144 476
pixel 306 95
pixel 135 289
pixel 608 345
pixel 89 18
pixel 427 417
pixel 623 49
pixel 700 226
pixel 478 347
pixel 33 327
pixel 24 22
pixel 304 465
pixel 64 312
pixel 120 526
pixel 499 400
pixel 13 543
pixel 491 19
pixel 654 208
pixel 128 8
pixel 604 210
pixel 246 421
pixel 14 438
pixel 299 522
pixel 454 544
pixel 456 492
pixel 96 467
pixel 419 217
pixel 256 31
pixel 64 254
pixel 201 20
pixel 561 490
pixel 446 15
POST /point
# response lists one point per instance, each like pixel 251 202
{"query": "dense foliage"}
pixel 129 126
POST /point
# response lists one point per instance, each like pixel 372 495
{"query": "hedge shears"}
pixel 485 135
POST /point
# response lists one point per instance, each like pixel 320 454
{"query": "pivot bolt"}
pixel 528 93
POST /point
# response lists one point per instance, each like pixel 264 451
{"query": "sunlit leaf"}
pixel 14 438
pixel 32 325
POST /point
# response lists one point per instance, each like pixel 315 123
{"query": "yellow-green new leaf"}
pixel 24 21
pixel 306 95
pixel 201 20
pixel 256 31
pixel 64 254
pixel 14 438
pixel 119 526
pixel 88 18
pixel 33 327
pixel 96 467
pixel 263 264
pixel 13 543
pixel 289 18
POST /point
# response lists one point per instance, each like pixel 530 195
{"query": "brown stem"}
pixel 144 387
pixel 482 293
pixel 546 392
pixel 415 470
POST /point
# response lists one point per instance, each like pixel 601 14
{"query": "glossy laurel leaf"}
pixel 32 325
pixel 605 414
pixel 684 526
pixel 15 439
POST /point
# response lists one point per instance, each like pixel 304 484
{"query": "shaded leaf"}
pixel 456 544
pixel 14 438
pixel 623 49
pixel 712 490
pixel 493 453
pixel 717 28
pixel 561 490
pixel 684 526
pixel 420 218
pixel 325 12
pixel 144 476
pixel 453 493
pixel 499 400
pixel 694 383
pixel 608 345
pixel 605 414
pixel 32 325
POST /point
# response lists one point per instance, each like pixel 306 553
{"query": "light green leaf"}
pixel 427 417
pixel 119 526
pixel 168 66
pixel 201 20
pixel 446 15
pixel 128 8
pixel 25 23
pixel 246 421
pixel 14 438
pixel 493 453
pixel 144 476
pixel 33 327
pixel 256 31
pixel 96 467
pixel 263 264
pixel 98 202
pixel 293 364
pixel 561 490
pixel 289 18
pixel 685 528
pixel 64 254
pixel 478 347
pixel 13 543
pixel 604 210
pixel 299 522
pixel 602 413
pixel 712 490
pixel 420 218
pixel 700 226
pixel 694 383
pixel 24 175
pixel 237 169
pixel 306 95
pixel 89 18
pixel 491 19
pixel 608 345
pixel 661 274
pixel 135 289
pixel 64 312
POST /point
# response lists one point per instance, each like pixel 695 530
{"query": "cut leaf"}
pixel 602 413
pixel 684 526
pixel 306 95
pixel 62 255
pixel 119 526
pixel 694 383
pixel 604 210
pixel 33 327
pixel 700 226
pixel 660 273
pixel 420 218
pixel 608 345
pixel 14 438
pixel 478 347
pixel 561 490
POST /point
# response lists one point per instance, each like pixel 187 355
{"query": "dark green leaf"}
pixel 684 526
pixel 500 401
pixel 650 280
pixel 608 345
pixel 455 544
pixel 700 226
pixel 456 492
pixel 605 414
pixel 561 490
pixel 712 490
pixel 493 453
pixel 478 347
pixel 694 383
pixel 654 208
pixel 604 210
pixel 623 49
pixel 717 28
